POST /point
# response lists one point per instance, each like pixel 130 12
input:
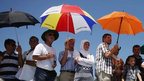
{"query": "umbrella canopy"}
pixel 16 19
pixel 68 18
pixel 121 23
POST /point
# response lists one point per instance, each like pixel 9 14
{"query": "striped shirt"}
pixel 102 63
pixel 9 66
pixel 70 66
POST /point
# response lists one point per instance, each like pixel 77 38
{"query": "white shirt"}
pixel 89 61
pixel 42 49
pixel 27 55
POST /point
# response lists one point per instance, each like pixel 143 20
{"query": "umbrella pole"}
pixel 117 39
pixel 119 30
pixel 16 36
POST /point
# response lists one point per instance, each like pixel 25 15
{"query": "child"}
pixel 131 72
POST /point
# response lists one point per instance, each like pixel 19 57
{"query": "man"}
pixel 45 55
pixel 66 60
pixel 139 61
pixel 11 61
pixel 104 58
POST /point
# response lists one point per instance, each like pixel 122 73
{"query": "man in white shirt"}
pixel 46 57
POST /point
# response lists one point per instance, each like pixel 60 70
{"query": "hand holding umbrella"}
pixel 115 50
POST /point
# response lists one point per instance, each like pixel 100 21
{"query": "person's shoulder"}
pixel 40 45
pixel 102 44
pixel 61 52
pixel 76 51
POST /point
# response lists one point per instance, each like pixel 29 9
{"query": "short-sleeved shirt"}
pixel 70 65
pixel 9 66
pixel 131 74
pixel 102 63
pixel 27 55
pixel 139 61
pixel 42 49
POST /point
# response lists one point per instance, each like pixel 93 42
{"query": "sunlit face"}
pixel 131 61
pixel 50 37
pixel 86 46
pixel 71 43
pixel 108 39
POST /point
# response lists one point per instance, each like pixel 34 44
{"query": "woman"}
pixel 85 61
pixel 28 70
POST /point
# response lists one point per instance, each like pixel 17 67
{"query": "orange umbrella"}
pixel 121 23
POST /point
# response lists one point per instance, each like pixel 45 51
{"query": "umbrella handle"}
pixel 117 39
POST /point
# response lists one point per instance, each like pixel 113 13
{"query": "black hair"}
pixel 136 46
pixel 8 41
pixel 128 58
pixel 105 35
pixel 34 38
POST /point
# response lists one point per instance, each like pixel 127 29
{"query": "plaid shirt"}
pixel 102 63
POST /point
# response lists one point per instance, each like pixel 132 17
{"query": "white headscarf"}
pixel 83 51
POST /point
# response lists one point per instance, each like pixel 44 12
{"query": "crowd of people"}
pixel 39 62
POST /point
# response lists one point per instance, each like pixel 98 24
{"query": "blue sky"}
pixel 96 8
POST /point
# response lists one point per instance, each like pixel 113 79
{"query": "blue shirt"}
pixel 70 65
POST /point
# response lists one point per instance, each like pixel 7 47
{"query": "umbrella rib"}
pixel 121 20
pixel 70 19
pixel 130 26
pixel 111 20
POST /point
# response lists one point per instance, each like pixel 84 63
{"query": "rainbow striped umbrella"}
pixel 67 18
